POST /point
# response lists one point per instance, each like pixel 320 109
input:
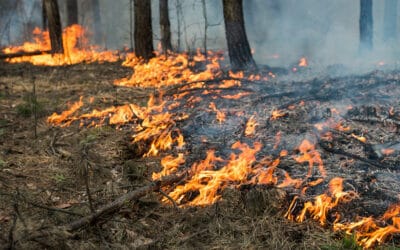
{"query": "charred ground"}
pixel 43 175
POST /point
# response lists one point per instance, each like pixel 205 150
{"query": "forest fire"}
pixel 207 178
pixel 76 49
pixel 303 138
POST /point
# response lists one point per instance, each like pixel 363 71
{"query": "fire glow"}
pixel 207 178
pixel 76 49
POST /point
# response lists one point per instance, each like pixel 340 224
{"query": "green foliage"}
pixel 59 178
pixel 29 105
pixel 348 242
pixel 2 163
pixel 90 138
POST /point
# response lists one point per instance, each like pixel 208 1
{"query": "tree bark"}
pixel 366 25
pixel 54 23
pixel 143 34
pixel 44 17
pixel 72 12
pixel 165 27
pixel 238 45
pixel 390 21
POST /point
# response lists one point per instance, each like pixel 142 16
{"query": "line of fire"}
pixel 199 124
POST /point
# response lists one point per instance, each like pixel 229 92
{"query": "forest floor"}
pixel 42 177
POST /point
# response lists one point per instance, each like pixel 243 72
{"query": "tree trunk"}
pixel 143 32
pixel 98 32
pixel 54 23
pixel 165 27
pixel 72 12
pixel 238 45
pixel 390 21
pixel 44 17
pixel 366 25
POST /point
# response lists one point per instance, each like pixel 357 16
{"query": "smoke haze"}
pixel 280 32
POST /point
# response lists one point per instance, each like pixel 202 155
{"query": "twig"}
pixel 356 157
pixel 11 233
pixel 169 198
pixel 106 210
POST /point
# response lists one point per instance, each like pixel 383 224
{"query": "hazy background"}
pixel 280 32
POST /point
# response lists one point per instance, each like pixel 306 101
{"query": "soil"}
pixel 46 171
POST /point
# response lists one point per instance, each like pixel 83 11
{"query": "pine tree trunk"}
pixel 143 34
pixel 44 17
pixel 390 21
pixel 72 12
pixel 165 27
pixel 54 23
pixel 238 45
pixel 366 25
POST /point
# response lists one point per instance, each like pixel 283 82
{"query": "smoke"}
pixel 324 31
pixel 280 32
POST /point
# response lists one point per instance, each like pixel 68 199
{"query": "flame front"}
pixel 76 49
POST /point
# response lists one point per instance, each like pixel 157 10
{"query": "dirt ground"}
pixel 43 177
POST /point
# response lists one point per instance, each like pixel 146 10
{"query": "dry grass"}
pixel 48 170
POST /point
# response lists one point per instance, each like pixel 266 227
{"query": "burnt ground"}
pixel 42 177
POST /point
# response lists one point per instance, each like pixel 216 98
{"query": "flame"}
pixel 360 138
pixel 250 127
pixel 171 69
pixel 208 182
pixel 237 96
pixel 322 204
pixel 170 165
pixel 277 114
pixel 73 54
pixel 369 231
pixel 303 62
pixel 58 119
pixel 310 155
pixel 220 115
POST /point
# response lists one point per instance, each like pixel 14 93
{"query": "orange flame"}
pixel 220 115
pixel 369 231
pixel 250 127
pixel 322 204
pixel 208 183
pixel 303 62
pixel 277 114
pixel 72 36
pixel 310 155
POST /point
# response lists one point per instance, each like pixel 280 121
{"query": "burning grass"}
pixel 258 154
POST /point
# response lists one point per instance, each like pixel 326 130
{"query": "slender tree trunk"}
pixel 238 45
pixel 54 23
pixel 390 21
pixel 366 25
pixel 72 12
pixel 98 32
pixel 143 29
pixel 44 16
pixel 204 5
pixel 165 27
pixel 178 7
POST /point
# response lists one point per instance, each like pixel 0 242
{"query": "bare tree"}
pixel 165 27
pixel 366 25
pixel 72 12
pixel 54 23
pixel 390 21
pixel 238 45
pixel 143 29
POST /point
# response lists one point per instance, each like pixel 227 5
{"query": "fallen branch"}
pixel 24 53
pixel 106 210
